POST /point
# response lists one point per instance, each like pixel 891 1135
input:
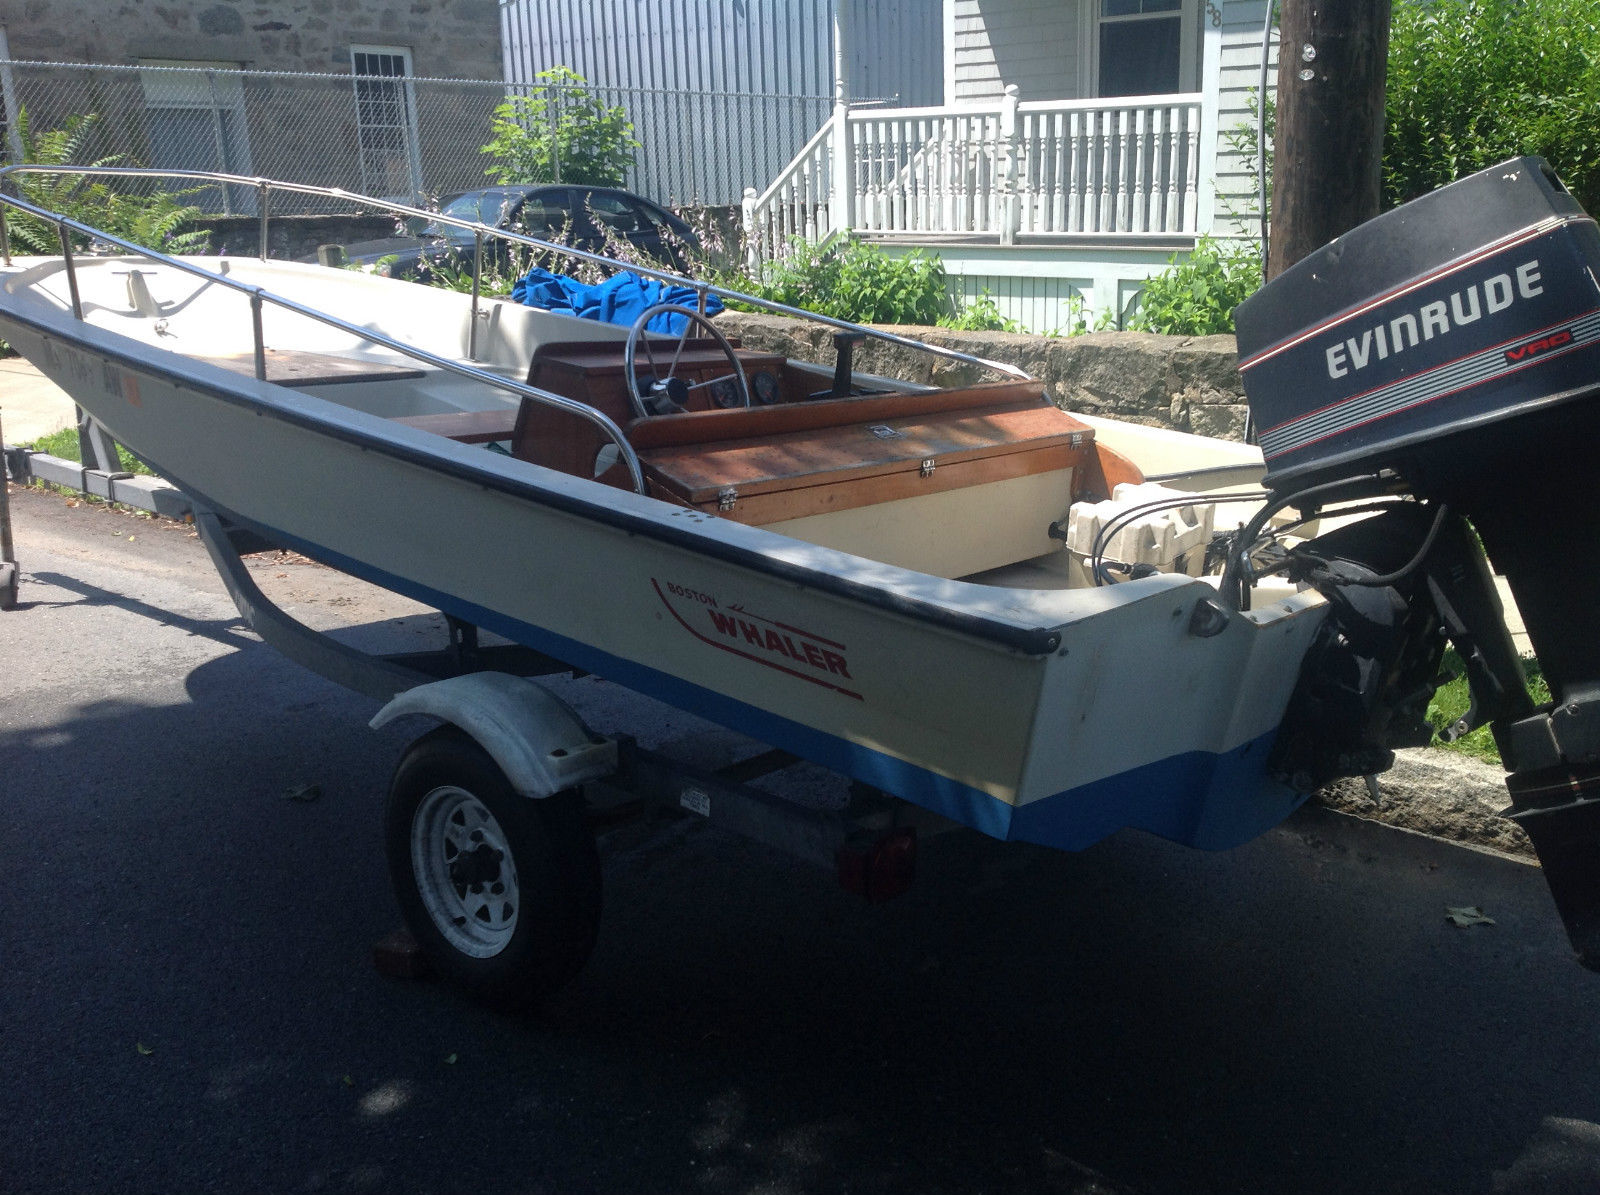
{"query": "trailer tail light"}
pixel 879 868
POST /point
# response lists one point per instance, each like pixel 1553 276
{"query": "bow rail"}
pixel 260 296
pixel 265 187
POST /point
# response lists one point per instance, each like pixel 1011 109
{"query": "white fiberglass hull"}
pixel 1050 716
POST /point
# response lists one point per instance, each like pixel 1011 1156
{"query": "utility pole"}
pixel 1328 149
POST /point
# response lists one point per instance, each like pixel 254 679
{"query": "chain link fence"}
pixel 378 132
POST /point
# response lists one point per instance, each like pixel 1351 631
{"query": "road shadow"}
pixel 1294 1015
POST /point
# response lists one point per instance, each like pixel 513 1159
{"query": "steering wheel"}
pixel 667 393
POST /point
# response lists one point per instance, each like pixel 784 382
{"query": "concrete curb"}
pixel 1440 794
pixel 23 466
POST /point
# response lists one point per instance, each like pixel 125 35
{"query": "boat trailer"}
pixel 485 698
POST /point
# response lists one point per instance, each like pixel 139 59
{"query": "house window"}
pixel 386 121
pixel 1143 47
pixel 194 120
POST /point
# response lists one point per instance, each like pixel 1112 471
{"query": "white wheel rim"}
pixel 465 872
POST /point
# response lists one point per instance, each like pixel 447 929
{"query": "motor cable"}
pixel 1122 518
pixel 1233 590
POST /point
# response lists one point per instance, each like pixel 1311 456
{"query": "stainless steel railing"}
pixel 266 186
pixel 259 296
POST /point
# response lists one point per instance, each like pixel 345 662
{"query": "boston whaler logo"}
pixel 777 645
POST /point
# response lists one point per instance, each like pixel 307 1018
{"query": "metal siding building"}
pixel 723 93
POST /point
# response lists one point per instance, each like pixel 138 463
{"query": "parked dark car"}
pixel 572 215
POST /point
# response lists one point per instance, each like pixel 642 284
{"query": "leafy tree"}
pixel 560 131
pixel 1473 82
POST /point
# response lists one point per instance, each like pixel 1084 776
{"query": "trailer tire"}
pixel 501 891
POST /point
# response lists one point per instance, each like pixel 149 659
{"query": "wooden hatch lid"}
pixel 699 457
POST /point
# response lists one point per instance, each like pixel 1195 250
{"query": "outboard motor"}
pixel 1447 354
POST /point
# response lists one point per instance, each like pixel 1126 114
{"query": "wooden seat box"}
pixel 947 482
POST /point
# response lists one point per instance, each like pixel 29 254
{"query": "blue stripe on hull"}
pixel 1196 798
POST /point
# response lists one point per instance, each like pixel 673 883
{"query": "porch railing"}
pixel 1109 168
pixel 795 204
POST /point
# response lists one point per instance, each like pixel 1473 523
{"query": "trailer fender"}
pixel 535 738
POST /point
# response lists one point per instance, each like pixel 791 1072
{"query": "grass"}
pixel 64 444
pixel 1451 701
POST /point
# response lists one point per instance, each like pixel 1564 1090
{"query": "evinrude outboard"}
pixel 1442 362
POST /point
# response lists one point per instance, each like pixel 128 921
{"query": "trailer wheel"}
pixel 501 891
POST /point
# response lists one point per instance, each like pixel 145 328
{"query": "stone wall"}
pixel 447 38
pixel 291 237
pixel 1190 383
pixel 293 113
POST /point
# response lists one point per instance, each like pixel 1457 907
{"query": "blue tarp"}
pixel 618 300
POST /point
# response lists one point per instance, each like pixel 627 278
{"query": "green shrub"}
pixel 851 280
pixel 156 221
pixel 1472 82
pixel 560 130
pixel 980 315
pixel 1195 296
pixel 1078 318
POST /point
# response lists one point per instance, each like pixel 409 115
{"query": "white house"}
pixel 722 93
pixel 1080 144
pixel 1054 153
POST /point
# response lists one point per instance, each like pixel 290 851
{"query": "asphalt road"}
pixel 187 1001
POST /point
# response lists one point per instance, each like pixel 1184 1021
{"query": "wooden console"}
pixel 594 374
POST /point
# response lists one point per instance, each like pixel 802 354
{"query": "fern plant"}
pixel 157 220
pixel 64 193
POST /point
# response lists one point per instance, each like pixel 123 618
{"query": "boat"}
pixel 985 611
